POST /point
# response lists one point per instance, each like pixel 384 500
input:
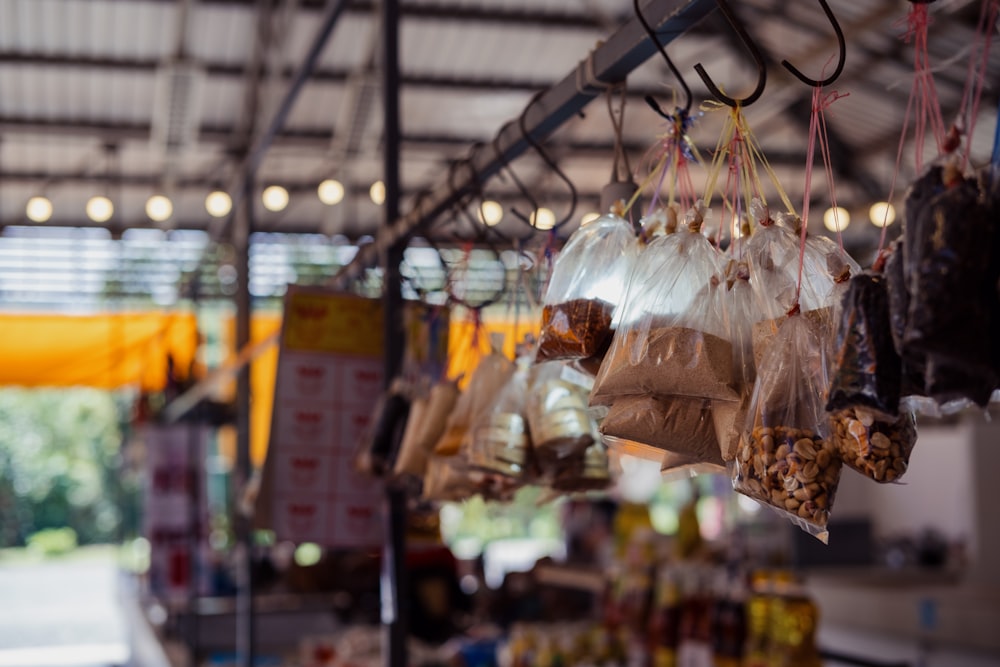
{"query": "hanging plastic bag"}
pixel 877 447
pixel 672 340
pixel 949 275
pixel 500 441
pixel 588 470
pixel 649 426
pixel 588 282
pixel 556 407
pixel 449 479
pixel 492 373
pixel 676 466
pixel 867 371
pixel 784 459
pixel 729 416
pixel 428 419
pixel 377 447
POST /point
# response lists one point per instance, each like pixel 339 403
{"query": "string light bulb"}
pixel 331 192
pixel 490 213
pixel 100 209
pixel 377 193
pixel 543 219
pixel 882 214
pixel 218 204
pixel 39 209
pixel 836 219
pixel 275 198
pixel 159 208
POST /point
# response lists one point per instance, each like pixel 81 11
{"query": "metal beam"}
pixel 610 62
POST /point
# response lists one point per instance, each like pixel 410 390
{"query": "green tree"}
pixel 58 463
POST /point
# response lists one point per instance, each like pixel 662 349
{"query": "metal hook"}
pixel 670 63
pixel 754 52
pixel 551 164
pixel 840 62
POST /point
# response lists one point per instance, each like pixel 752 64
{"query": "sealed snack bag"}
pixel 875 446
pixel 492 373
pixel 556 407
pixel 784 459
pixel 673 338
pixel 377 446
pixel 500 442
pixel 584 471
pixel 587 285
pixel 428 419
pixel 729 416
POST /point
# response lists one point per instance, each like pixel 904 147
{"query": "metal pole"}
pixel 395 611
pixel 244 466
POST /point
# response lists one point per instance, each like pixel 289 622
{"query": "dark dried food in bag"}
pixel 949 273
pixel 588 282
pixel 876 447
pixel 867 370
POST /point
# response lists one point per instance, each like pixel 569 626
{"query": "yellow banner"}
pixel 332 323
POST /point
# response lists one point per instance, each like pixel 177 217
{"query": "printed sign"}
pixel 330 375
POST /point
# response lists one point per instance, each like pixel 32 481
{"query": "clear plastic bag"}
pixel 729 416
pixel 673 338
pixel 558 418
pixel 867 370
pixel 588 282
pixel 877 447
pixel 492 373
pixel 784 459
pixel 676 466
pixel 500 439
pixel 588 470
pixel 428 417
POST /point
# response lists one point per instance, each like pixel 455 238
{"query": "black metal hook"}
pixel 670 63
pixel 840 62
pixel 551 164
pixel 754 52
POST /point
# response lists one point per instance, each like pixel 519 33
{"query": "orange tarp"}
pixel 106 351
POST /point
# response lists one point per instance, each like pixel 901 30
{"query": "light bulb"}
pixel 836 219
pixel 218 204
pixel 39 209
pixel 275 198
pixel 543 219
pixel 882 213
pixel 331 192
pixel 377 192
pixel 490 213
pixel 100 208
pixel 159 208
pixel 589 218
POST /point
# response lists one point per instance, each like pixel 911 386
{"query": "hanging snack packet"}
pixel 783 459
pixel 867 371
pixel 500 442
pixel 584 471
pixel 729 416
pixel 558 419
pixel 876 447
pixel 428 417
pixel 449 479
pixel 588 282
pixel 492 373
pixel 673 339
pixel 377 446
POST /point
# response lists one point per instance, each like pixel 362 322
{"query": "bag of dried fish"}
pixel 588 282
pixel 784 458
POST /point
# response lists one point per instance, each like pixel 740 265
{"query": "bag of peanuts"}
pixel 785 459
pixel 875 446
pixel 672 339
pixel 587 285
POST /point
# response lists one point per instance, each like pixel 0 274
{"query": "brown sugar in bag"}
pixel 588 282
pixel 673 338
pixel 656 425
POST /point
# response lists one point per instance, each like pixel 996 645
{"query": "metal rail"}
pixel 611 62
